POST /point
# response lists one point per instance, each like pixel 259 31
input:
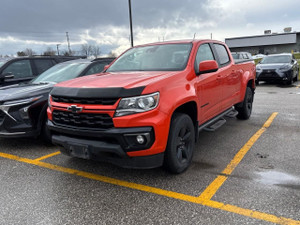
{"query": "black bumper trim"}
pixel 120 136
pixel 101 151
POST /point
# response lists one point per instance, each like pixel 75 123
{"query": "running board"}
pixel 232 114
pixel 217 122
pixel 216 125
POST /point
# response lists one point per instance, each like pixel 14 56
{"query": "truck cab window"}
pixel 204 53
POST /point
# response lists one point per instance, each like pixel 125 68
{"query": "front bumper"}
pixel 10 128
pixel 106 152
pixel 274 75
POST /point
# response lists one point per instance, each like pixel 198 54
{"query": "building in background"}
pixel 269 43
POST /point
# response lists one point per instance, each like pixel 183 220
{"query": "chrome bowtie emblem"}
pixel 74 109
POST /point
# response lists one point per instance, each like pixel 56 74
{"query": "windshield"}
pixel 276 59
pixel 167 57
pixel 61 72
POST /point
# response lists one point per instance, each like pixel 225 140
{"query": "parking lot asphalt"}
pixel 246 172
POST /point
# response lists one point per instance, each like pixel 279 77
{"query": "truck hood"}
pixel 117 79
pixel 21 91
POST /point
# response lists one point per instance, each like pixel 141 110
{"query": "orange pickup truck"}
pixel 148 107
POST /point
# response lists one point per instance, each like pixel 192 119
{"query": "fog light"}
pixel 140 139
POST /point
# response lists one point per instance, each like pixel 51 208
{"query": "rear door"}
pixel 230 76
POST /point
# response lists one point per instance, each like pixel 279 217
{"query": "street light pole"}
pixel 130 21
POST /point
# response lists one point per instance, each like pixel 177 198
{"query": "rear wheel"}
pixel 246 108
pixel 181 143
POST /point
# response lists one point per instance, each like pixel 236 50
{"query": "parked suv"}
pixel 24 69
pixel 23 106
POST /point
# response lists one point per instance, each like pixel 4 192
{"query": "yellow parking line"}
pixel 158 191
pixel 210 191
pixel 47 156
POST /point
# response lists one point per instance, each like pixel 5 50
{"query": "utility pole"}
pixel 211 36
pixel 130 21
pixel 57 48
pixel 67 34
pixel 194 36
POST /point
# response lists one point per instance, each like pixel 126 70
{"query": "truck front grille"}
pixel 84 120
pixel 91 101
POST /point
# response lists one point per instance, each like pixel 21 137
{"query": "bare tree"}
pixel 29 52
pixel 96 51
pixel 49 51
pixel 21 53
pixel 86 49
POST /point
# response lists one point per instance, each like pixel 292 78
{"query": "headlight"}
pixel 258 68
pixel 21 101
pixel 138 104
pixel 285 67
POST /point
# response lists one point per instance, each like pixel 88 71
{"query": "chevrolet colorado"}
pixel 148 107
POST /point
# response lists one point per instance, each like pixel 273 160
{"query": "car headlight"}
pixel 138 104
pixel 21 101
pixel 258 68
pixel 285 68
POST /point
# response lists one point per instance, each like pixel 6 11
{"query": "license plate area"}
pixel 80 151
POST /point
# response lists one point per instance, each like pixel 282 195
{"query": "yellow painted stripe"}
pixel 210 191
pixel 158 191
pixel 47 156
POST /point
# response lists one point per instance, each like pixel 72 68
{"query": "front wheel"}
pixel 181 143
pixel 244 111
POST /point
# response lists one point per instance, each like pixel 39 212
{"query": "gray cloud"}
pixel 41 23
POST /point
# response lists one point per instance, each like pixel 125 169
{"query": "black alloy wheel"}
pixel 244 111
pixel 181 143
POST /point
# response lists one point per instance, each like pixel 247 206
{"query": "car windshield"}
pixel 166 57
pixel 276 59
pixel 61 72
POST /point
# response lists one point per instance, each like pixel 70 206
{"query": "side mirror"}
pixel 105 67
pixel 5 76
pixel 208 66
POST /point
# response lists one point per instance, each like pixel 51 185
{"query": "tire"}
pixel 296 78
pixel 181 143
pixel 244 111
pixel 45 133
pixel 290 81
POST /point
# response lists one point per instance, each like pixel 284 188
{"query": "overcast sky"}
pixel 39 24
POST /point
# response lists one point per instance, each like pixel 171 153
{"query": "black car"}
pixel 278 67
pixel 24 69
pixel 23 106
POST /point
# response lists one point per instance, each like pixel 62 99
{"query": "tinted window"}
pixel 42 64
pixel 20 69
pixel 96 68
pixel 222 53
pixel 204 53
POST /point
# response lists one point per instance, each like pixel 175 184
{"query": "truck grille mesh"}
pixel 91 101
pixel 84 120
